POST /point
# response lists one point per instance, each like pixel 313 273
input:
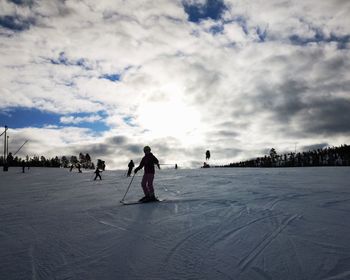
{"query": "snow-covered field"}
pixel 291 223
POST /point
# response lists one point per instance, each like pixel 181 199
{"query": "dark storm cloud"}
pixel 283 100
pixel 94 149
pixel 134 149
pixel 111 148
pixel 222 137
pixel 308 98
pixel 318 114
pixel 226 133
pixel 124 144
pixel 117 140
pixel 327 117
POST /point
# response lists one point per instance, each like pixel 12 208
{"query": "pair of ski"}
pixel 124 202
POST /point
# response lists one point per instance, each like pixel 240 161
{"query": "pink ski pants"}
pixel 147 184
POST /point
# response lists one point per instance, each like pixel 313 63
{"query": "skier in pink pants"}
pixel 148 162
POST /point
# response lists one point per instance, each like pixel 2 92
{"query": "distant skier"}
pixel 9 159
pixel 98 174
pixel 148 162
pixel 205 165
pixel 175 165
pixel 207 155
pixel 23 166
pixel 130 166
pixel 79 168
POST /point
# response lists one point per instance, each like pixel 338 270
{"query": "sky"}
pixel 182 76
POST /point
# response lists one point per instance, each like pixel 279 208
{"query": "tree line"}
pixel 84 160
pixel 331 156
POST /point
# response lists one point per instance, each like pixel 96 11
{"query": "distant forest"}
pixel 84 160
pixel 332 156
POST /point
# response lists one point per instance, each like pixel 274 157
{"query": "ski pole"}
pixel 128 188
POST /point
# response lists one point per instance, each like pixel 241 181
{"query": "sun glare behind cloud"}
pixel 169 119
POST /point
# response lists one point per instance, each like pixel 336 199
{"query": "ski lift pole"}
pixel 20 147
pixel 5 168
pixel 6 128
pixel 7 146
pixel 127 190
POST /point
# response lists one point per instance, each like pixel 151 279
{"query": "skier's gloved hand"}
pixel 135 171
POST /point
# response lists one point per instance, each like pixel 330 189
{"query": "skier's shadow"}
pixel 137 242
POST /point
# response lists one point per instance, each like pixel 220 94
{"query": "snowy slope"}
pixel 215 224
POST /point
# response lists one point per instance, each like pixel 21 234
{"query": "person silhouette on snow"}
pixel 23 166
pixel 148 162
pixel 130 166
pixel 98 174
pixel 79 168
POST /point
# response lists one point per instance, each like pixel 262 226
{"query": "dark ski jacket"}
pixel 148 161
pixel 98 171
pixel 131 164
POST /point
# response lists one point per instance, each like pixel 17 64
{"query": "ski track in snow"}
pixel 33 265
pixel 264 243
pixel 214 224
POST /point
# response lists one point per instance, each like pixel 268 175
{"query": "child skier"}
pixel 148 161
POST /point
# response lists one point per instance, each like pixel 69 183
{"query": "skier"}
pixel 130 166
pixel 207 155
pixel 98 174
pixel 148 161
pixel 9 159
pixel 23 165
pixel 79 166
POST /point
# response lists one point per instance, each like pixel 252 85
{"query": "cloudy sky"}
pixel 236 77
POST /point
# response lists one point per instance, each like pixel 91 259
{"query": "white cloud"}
pixel 77 120
pixel 182 88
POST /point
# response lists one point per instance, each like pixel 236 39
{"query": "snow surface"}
pixel 290 223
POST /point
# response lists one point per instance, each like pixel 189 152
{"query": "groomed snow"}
pixel 291 223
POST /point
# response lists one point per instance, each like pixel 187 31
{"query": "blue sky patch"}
pixel 28 3
pixel 111 77
pixel 216 29
pixel 319 37
pixel 16 23
pixel 212 9
pixel 129 121
pixel 63 60
pixel 262 33
pixel 28 117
